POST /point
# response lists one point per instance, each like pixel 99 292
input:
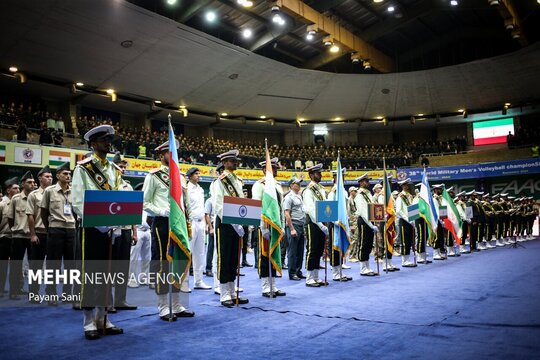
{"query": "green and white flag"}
pixel 271 215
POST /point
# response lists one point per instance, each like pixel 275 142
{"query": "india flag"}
pixel 2 152
pixel 492 132
pixel 57 158
pixel 241 211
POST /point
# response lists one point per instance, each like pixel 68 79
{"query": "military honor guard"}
pixel 227 235
pixel 38 233
pixel 461 206
pixel 406 229
pixel 139 266
pixel 18 221
pixel 59 222
pixel 317 232
pixel 420 232
pixel 439 251
pixel 156 204
pixel 353 224
pixel 366 229
pixel 198 224
pixel 95 173
pixel 268 280
pixel 295 216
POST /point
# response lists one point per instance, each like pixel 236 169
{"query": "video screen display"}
pixel 492 131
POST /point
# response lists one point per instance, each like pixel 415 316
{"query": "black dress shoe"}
pixel 91 335
pixel 112 331
pixel 185 313
pixel 227 303
pixel 313 285
pixel 284 267
pixel 112 310
pixel 209 274
pixel 409 265
pixel 301 276
pixel 242 274
pixel 295 278
pixel 323 283
pixel 280 293
pixel 168 318
pixel 246 264
pixel 241 301
pixel 268 295
pixel 125 306
pixel 53 303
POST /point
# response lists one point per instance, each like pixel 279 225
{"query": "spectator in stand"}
pixel 45 137
pixel 22 131
pixel 60 126
pixel 424 162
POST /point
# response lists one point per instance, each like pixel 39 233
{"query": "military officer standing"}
pixel 366 228
pixel 18 221
pixel 38 233
pixel 438 247
pixel 404 200
pixel 227 235
pixel 95 173
pixel 293 207
pixel 461 207
pixel 353 224
pixel 156 204
pixel 59 222
pixel 317 232
pixel 12 188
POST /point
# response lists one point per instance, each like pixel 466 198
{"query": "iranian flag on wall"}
pixel 492 132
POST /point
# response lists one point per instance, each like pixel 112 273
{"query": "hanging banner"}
pixel 473 171
pixel 27 155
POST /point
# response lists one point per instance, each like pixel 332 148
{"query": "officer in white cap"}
pixel 438 247
pixel 317 232
pixel 228 236
pixel 461 207
pixel 95 173
pixel 404 200
pixel 269 287
pixel 156 204
pixel 366 228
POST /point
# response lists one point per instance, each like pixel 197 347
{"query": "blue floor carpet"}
pixel 484 305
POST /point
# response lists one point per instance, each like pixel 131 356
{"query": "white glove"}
pixel 239 229
pixel 164 213
pixel 103 229
pixel 336 223
pixel 265 234
pixel 375 229
pixel 251 228
pixel 324 229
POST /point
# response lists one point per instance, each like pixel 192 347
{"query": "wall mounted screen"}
pixel 493 131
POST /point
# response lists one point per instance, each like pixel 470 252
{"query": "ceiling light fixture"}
pixel 493 2
pixel 419 114
pixel 247 33
pixel 328 41
pixel 245 3
pixel 377 1
pixel 13 69
pixel 367 65
pixel 355 58
pixel 454 3
pixel 110 91
pixel 334 48
pixel 461 110
pixel 509 104
pixel 391 9
pixel 79 84
pixel 276 16
pixel 262 116
pixel 516 34
pixel 337 119
pixel 210 16
pixel 171 2
pixel 379 117
pixel 157 101
pixel 311 31
pixel 224 114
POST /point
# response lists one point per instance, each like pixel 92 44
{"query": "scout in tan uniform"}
pixel 38 234
pixel 12 188
pixel 18 221
pixel 59 222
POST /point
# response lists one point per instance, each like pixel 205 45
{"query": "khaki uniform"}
pixel 5 241
pixel 21 240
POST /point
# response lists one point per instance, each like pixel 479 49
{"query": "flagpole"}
pixel 267 155
pixel 171 315
pixel 339 238
pixel 385 181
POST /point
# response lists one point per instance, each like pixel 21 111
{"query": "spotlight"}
pixel 355 58
pixel 245 3
pixel 454 3
pixel 157 101
pixel 367 65
pixel 210 16
pixel 509 24
pixel 391 9
pixel 110 91
pixel 13 69
pixel 493 2
pixel 247 33
pixel 328 41
pixel 171 2
pixel 377 1
pixel 516 34
pixel 276 16
pixel 79 84
pixel 334 48
pixel 183 110
pixel 262 117
pixel 224 114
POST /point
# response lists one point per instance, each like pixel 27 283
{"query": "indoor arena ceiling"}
pixel 463 57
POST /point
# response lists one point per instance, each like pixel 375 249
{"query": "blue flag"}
pixel 341 229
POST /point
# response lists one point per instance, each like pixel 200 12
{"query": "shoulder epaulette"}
pixel 222 176
pixel 116 166
pixel 153 171
pixel 84 161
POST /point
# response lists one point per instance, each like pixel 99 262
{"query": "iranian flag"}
pixel 271 215
pixel 57 158
pixel 453 221
pixel 178 250
pixel 492 132
pixel 2 152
